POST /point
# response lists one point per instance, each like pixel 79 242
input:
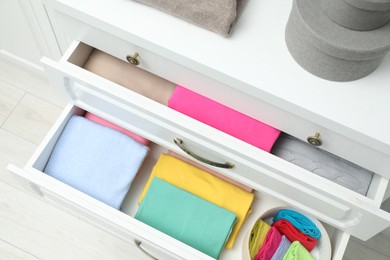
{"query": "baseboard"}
pixel 21 62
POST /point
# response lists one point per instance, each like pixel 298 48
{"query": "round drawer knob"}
pixel 315 140
pixel 133 59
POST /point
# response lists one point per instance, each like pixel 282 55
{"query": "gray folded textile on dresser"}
pixel 323 163
pixel 217 15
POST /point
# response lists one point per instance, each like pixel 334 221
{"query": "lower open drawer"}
pixel 122 222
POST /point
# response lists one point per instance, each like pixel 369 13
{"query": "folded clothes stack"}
pixel 218 15
pixel 223 118
pixel 106 123
pixel 186 217
pixel 129 76
pixel 204 186
pixel 323 163
pixel 183 100
pixel 291 235
pixel 97 160
pixel 204 168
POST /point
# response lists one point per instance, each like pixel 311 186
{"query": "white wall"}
pixel 25 30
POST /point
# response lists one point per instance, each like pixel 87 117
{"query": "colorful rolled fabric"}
pixel 104 122
pixel 96 160
pixel 258 234
pixel 287 229
pixel 284 245
pixel 299 221
pixel 223 118
pixel 205 186
pixel 270 245
pixel 297 252
pixel 186 217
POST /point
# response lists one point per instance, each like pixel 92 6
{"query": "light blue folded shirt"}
pixel 96 160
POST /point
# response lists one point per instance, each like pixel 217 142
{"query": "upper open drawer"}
pixel 336 205
pixel 351 138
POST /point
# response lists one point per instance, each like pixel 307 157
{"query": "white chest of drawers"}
pixel 252 72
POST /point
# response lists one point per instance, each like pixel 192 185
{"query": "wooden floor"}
pixel 31 229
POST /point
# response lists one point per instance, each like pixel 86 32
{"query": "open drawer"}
pixel 274 180
pixel 246 95
pixel 144 239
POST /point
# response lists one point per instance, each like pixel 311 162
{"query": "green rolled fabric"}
pixel 297 252
pixel 186 217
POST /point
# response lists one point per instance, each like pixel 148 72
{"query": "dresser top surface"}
pixel 254 59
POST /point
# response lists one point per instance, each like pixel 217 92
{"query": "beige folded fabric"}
pixel 216 15
pixel 130 76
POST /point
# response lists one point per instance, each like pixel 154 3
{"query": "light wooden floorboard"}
pixel 9 98
pixel 41 230
pixel 15 150
pixel 32 229
pixel 32 118
pixel 11 252
pixel 34 84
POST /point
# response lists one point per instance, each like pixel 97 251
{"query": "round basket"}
pixel 322 251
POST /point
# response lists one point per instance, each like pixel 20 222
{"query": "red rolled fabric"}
pixel 293 234
pixel 270 244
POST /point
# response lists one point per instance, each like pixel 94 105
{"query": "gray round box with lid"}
pixel 361 15
pixel 330 51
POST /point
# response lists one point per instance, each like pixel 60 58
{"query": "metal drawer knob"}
pixel 315 140
pixel 133 59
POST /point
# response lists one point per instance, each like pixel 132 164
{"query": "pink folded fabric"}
pixel 216 174
pixel 104 122
pixel 223 118
pixel 270 245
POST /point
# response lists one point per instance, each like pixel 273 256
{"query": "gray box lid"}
pixel 373 5
pixel 335 40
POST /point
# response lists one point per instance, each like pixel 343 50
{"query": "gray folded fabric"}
pixel 323 163
pixel 218 15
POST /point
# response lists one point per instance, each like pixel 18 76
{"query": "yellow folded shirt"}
pixel 205 186
pixel 258 234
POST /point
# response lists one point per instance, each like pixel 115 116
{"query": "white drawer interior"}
pixel 261 204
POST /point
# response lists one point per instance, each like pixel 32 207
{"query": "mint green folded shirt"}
pixel 186 217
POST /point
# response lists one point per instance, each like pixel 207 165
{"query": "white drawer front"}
pixel 110 220
pixel 346 210
pixel 337 139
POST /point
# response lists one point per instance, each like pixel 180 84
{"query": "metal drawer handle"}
pixel 315 140
pixel 138 244
pixel 133 59
pixel 181 145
